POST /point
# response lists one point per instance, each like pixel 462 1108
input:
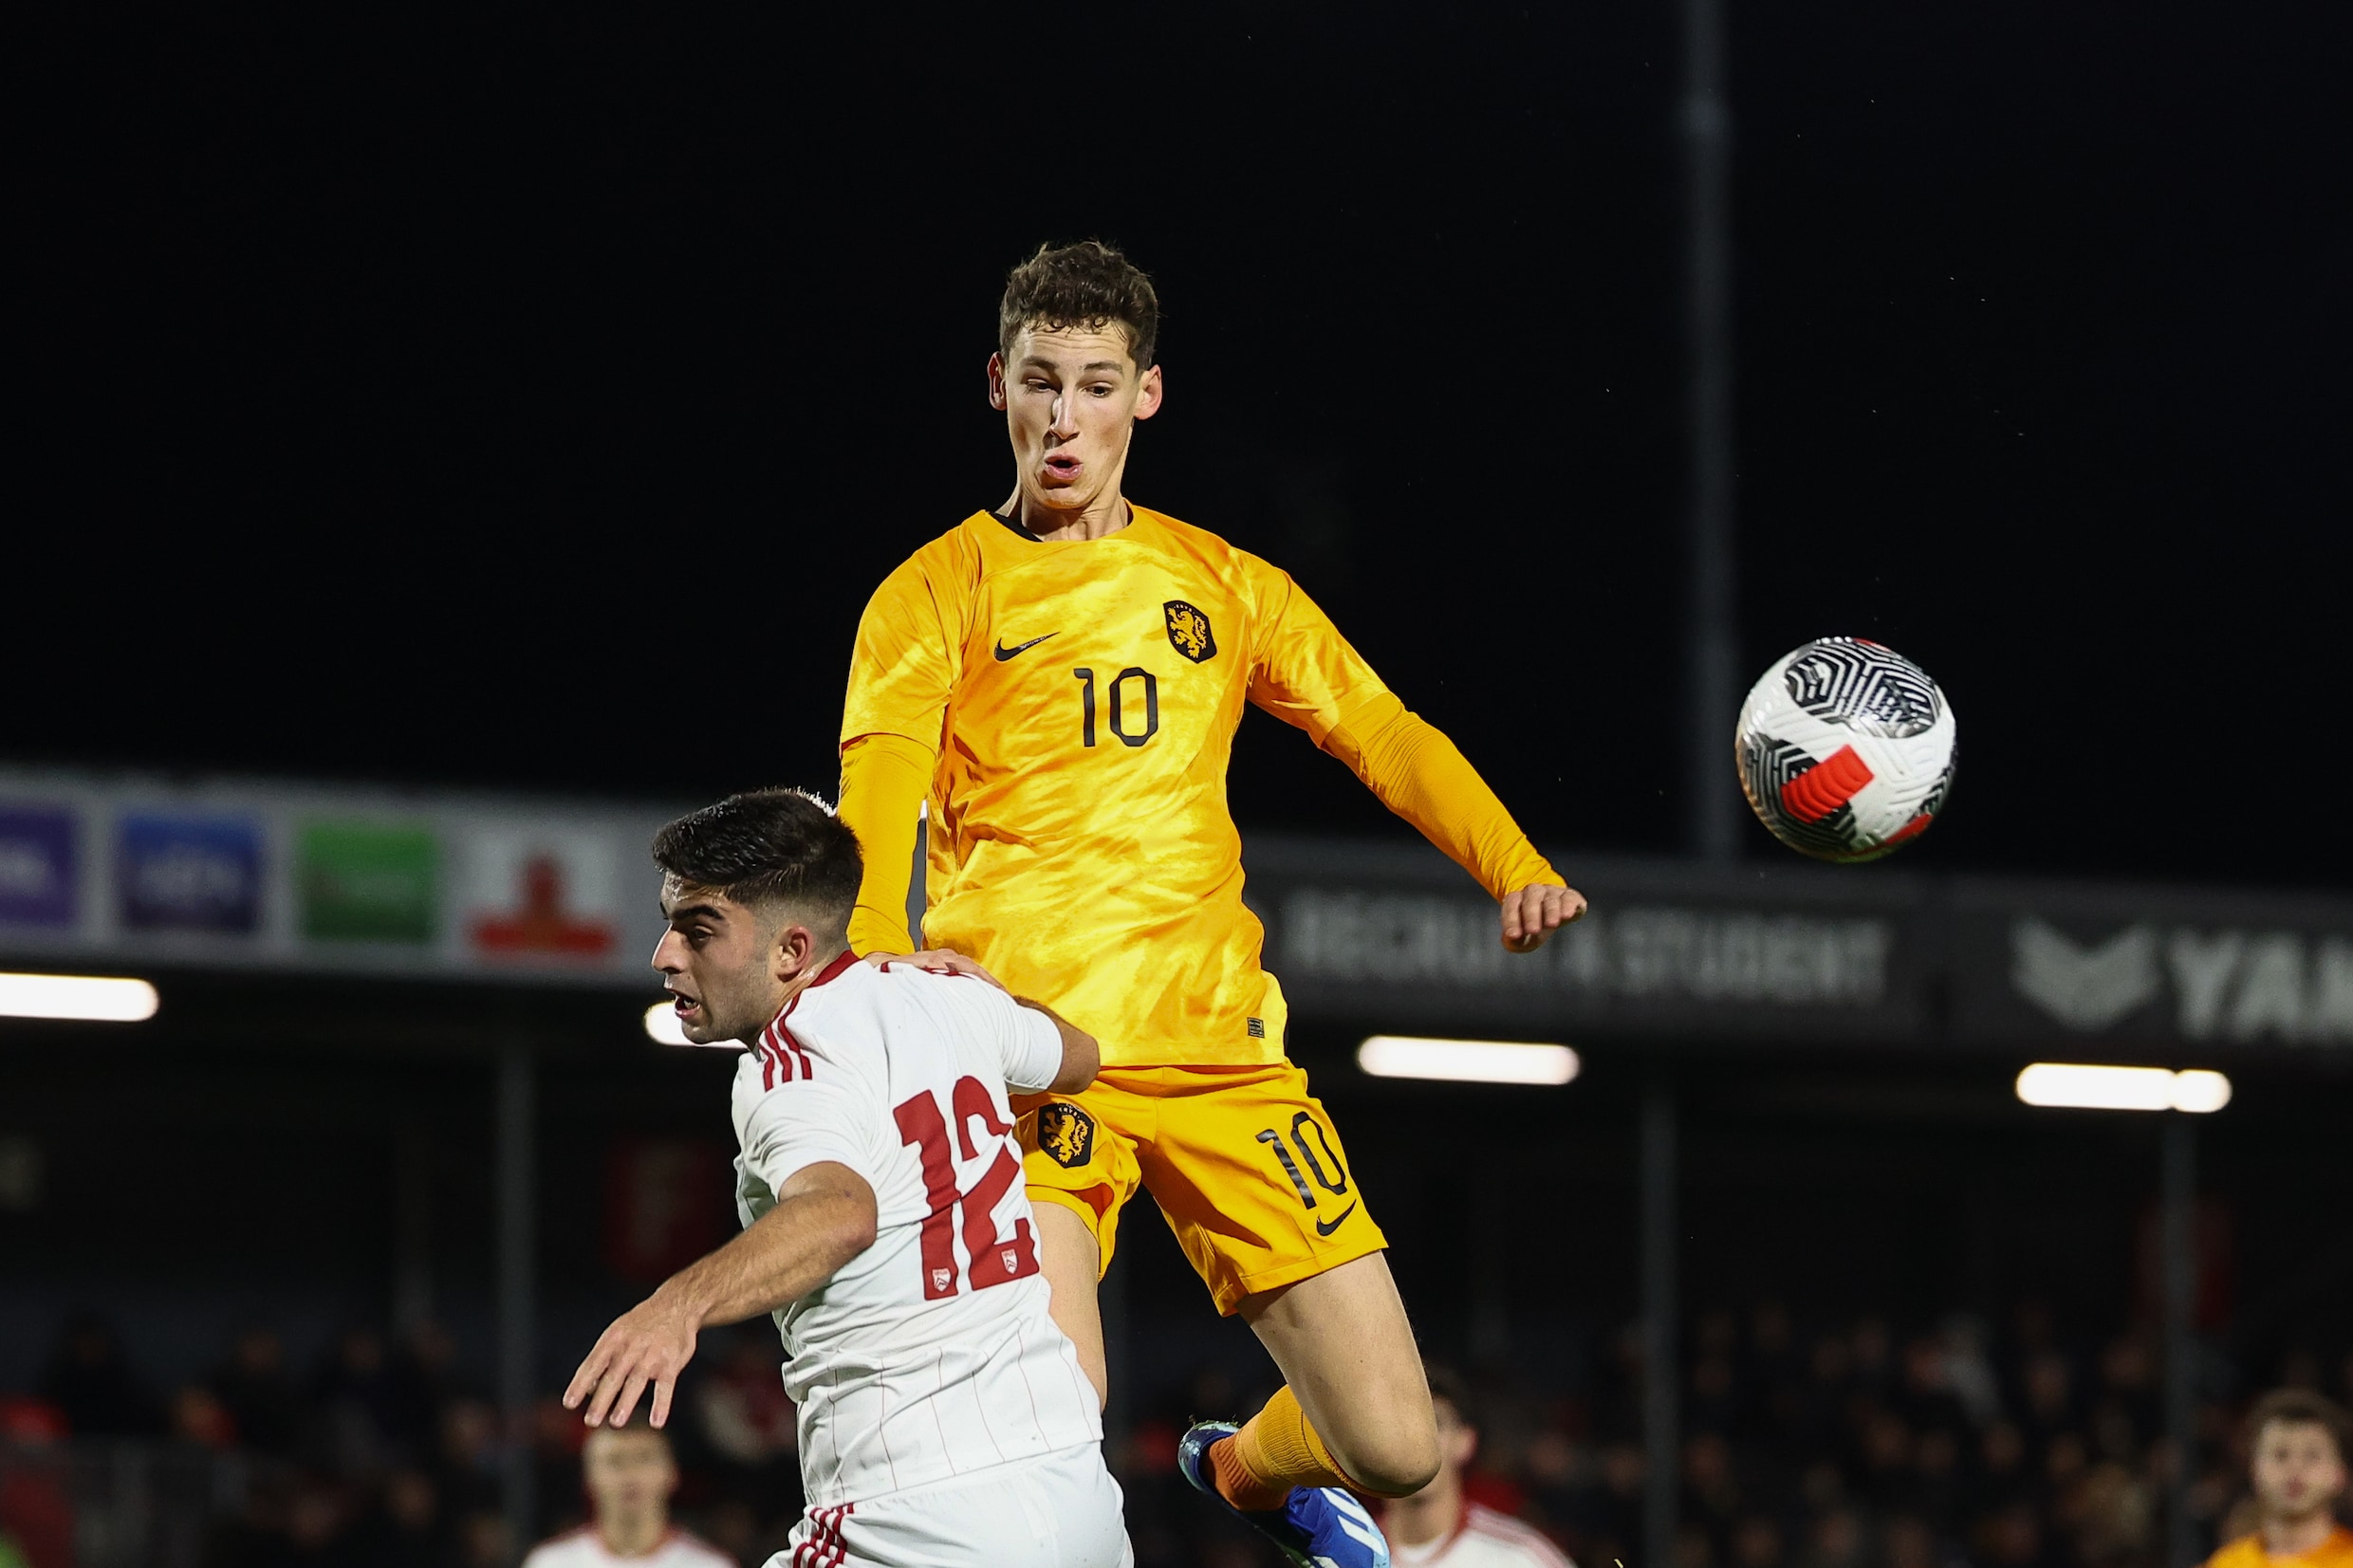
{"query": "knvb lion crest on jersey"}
pixel 1188 630
pixel 1066 1133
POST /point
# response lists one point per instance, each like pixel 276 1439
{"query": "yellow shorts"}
pixel 1242 1160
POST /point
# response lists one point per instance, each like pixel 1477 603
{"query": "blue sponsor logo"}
pixel 39 867
pixel 190 874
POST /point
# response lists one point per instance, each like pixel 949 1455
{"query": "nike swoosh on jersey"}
pixel 1325 1228
pixel 1004 653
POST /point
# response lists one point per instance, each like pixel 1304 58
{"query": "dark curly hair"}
pixel 766 847
pixel 1086 285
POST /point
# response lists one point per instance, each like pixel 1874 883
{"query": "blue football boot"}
pixel 1316 1527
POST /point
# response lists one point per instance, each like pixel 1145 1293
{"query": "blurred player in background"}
pixel 1437 1527
pixel 944 1420
pixel 2297 1464
pixel 629 1476
pixel 1061 676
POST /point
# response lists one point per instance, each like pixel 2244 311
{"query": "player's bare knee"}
pixel 1395 1479
pixel 1397 1461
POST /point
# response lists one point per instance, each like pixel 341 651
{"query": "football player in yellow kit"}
pixel 2297 1462
pixel 1060 677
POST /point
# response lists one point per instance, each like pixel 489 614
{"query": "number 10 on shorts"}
pixel 1334 1181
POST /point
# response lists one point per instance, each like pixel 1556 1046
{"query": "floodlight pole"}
pixel 412 1271
pixel 517 1287
pixel 1661 1441
pixel 1713 822
pixel 2179 1187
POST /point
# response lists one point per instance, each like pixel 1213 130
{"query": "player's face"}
pixel 2297 1470
pixel 1071 398
pixel 714 964
pixel 628 1471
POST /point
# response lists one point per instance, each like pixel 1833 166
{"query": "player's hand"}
pixel 1536 912
pixel 651 1345
pixel 938 961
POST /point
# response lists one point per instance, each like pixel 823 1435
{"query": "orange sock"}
pixel 1276 1451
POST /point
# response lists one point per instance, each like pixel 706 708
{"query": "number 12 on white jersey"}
pixel 995 1260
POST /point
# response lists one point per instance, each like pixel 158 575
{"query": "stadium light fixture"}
pixel 2086 1087
pixel 1467 1061
pixel 88 997
pixel 661 1023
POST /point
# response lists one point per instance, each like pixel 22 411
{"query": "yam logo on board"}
pixel 1188 630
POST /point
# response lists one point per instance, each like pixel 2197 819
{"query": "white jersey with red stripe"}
pixel 585 1548
pixel 930 1355
pixel 1482 1538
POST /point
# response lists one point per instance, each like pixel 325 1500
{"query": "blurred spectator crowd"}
pixel 1864 1444
pixel 383 1455
pixel 1872 1445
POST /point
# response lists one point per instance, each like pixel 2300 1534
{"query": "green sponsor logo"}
pixel 364 882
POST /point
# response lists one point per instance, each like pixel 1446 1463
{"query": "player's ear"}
pixel 996 383
pixel 1148 395
pixel 792 951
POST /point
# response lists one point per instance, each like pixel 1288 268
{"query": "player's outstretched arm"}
pixel 1311 677
pixel 823 1217
pixel 1424 778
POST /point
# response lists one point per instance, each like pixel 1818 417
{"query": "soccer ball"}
pixel 1845 749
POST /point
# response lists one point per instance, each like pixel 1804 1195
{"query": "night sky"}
pixel 532 400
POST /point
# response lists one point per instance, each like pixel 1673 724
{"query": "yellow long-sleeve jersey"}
pixel 1068 709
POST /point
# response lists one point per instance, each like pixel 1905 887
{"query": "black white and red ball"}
pixel 1845 749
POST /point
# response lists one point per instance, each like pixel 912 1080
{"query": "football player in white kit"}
pixel 945 1421
pixel 629 1475
pixel 1438 1527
